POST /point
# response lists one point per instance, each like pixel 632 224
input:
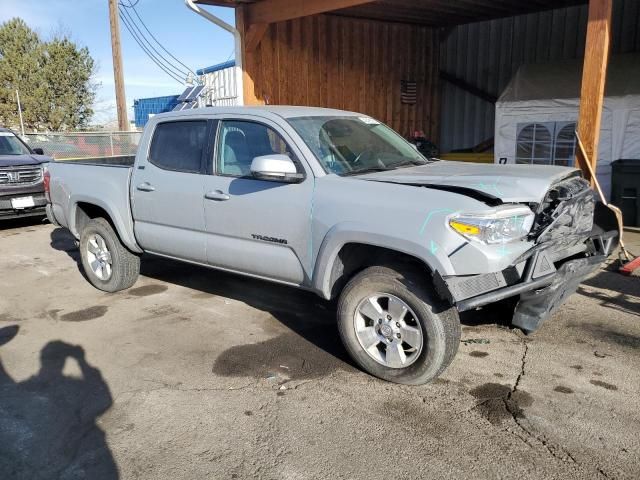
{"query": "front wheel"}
pixel 395 327
pixel 108 264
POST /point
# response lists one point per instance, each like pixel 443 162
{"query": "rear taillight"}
pixel 46 180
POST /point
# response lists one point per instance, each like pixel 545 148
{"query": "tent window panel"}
pixel 549 143
pixel 565 149
pixel 534 144
pixel 524 152
pixel 542 151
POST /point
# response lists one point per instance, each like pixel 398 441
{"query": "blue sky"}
pixel 189 37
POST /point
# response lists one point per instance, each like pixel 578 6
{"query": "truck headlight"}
pixel 504 224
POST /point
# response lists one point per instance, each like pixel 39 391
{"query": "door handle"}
pixel 146 187
pixel 217 195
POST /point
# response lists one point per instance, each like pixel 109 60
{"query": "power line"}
pixel 144 48
pixel 161 58
pixel 132 6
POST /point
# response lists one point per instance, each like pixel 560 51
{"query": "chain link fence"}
pixel 82 145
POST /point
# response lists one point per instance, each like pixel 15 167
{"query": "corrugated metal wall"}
pixel 143 107
pixel 221 88
pixel 487 54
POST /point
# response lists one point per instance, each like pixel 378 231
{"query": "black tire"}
pixel 438 320
pixel 125 265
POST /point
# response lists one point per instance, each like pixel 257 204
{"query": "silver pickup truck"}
pixel 337 203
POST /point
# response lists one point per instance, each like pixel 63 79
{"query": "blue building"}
pixel 145 107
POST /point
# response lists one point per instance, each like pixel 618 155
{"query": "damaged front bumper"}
pixel 543 280
pixel 574 235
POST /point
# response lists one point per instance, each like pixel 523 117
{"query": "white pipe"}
pixel 237 40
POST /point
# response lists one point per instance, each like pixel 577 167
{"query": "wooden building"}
pixel 381 57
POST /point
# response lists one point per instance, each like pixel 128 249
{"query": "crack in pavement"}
pixel 514 410
pixel 511 405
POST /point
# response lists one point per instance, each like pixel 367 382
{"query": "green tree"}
pixel 20 52
pixel 53 78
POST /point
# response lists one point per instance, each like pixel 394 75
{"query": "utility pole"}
pixel 20 112
pixel 118 74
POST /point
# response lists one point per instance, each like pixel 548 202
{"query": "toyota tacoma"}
pixel 339 204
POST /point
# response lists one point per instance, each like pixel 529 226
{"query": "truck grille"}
pixel 20 175
pixel 566 213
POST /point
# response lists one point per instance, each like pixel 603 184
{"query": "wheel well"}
pixel 89 211
pixel 355 257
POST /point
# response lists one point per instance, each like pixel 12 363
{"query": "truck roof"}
pixel 284 111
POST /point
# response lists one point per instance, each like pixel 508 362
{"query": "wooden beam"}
pixel 271 11
pixel 254 34
pixel 467 87
pixel 594 73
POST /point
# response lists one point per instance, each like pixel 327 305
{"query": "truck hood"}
pixel 500 183
pixel 19 160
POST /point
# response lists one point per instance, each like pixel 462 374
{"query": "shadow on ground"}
pixel 63 241
pixel 20 223
pixel 305 344
pixel 626 296
pixel 306 339
pixel 499 313
pixel 48 422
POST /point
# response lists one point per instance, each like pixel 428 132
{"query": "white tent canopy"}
pixel 537 112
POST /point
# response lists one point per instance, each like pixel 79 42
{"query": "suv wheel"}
pixel 394 326
pixel 108 264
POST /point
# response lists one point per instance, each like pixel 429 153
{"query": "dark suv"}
pixel 21 177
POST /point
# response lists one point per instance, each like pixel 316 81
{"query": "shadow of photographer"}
pixel 48 422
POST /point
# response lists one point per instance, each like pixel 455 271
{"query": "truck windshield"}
pixel 11 145
pixel 351 145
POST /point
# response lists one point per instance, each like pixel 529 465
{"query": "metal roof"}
pixel 433 12
pixel 217 67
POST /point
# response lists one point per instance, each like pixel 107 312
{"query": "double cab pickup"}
pixel 339 204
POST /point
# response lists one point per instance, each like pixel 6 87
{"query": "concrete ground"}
pixel 199 374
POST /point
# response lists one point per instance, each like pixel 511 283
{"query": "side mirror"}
pixel 38 151
pixel 275 168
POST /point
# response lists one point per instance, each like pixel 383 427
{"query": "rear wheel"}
pixel 395 327
pixel 108 264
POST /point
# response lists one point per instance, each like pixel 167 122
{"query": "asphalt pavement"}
pixel 194 373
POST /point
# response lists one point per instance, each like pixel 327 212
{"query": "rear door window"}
pixel 179 146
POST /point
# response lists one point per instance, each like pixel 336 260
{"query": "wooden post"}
pixel 248 57
pixel 594 73
pixel 118 74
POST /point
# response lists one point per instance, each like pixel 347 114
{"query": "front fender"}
pixel 353 232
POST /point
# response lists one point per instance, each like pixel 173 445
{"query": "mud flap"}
pixel 536 306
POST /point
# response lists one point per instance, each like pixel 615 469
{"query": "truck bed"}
pixel 118 160
pixel 96 183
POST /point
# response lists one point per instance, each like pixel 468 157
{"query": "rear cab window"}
pixel 180 146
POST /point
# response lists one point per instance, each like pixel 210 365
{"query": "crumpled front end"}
pixel 568 247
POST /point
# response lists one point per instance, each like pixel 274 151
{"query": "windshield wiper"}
pixel 405 163
pixel 366 170
pixel 391 166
